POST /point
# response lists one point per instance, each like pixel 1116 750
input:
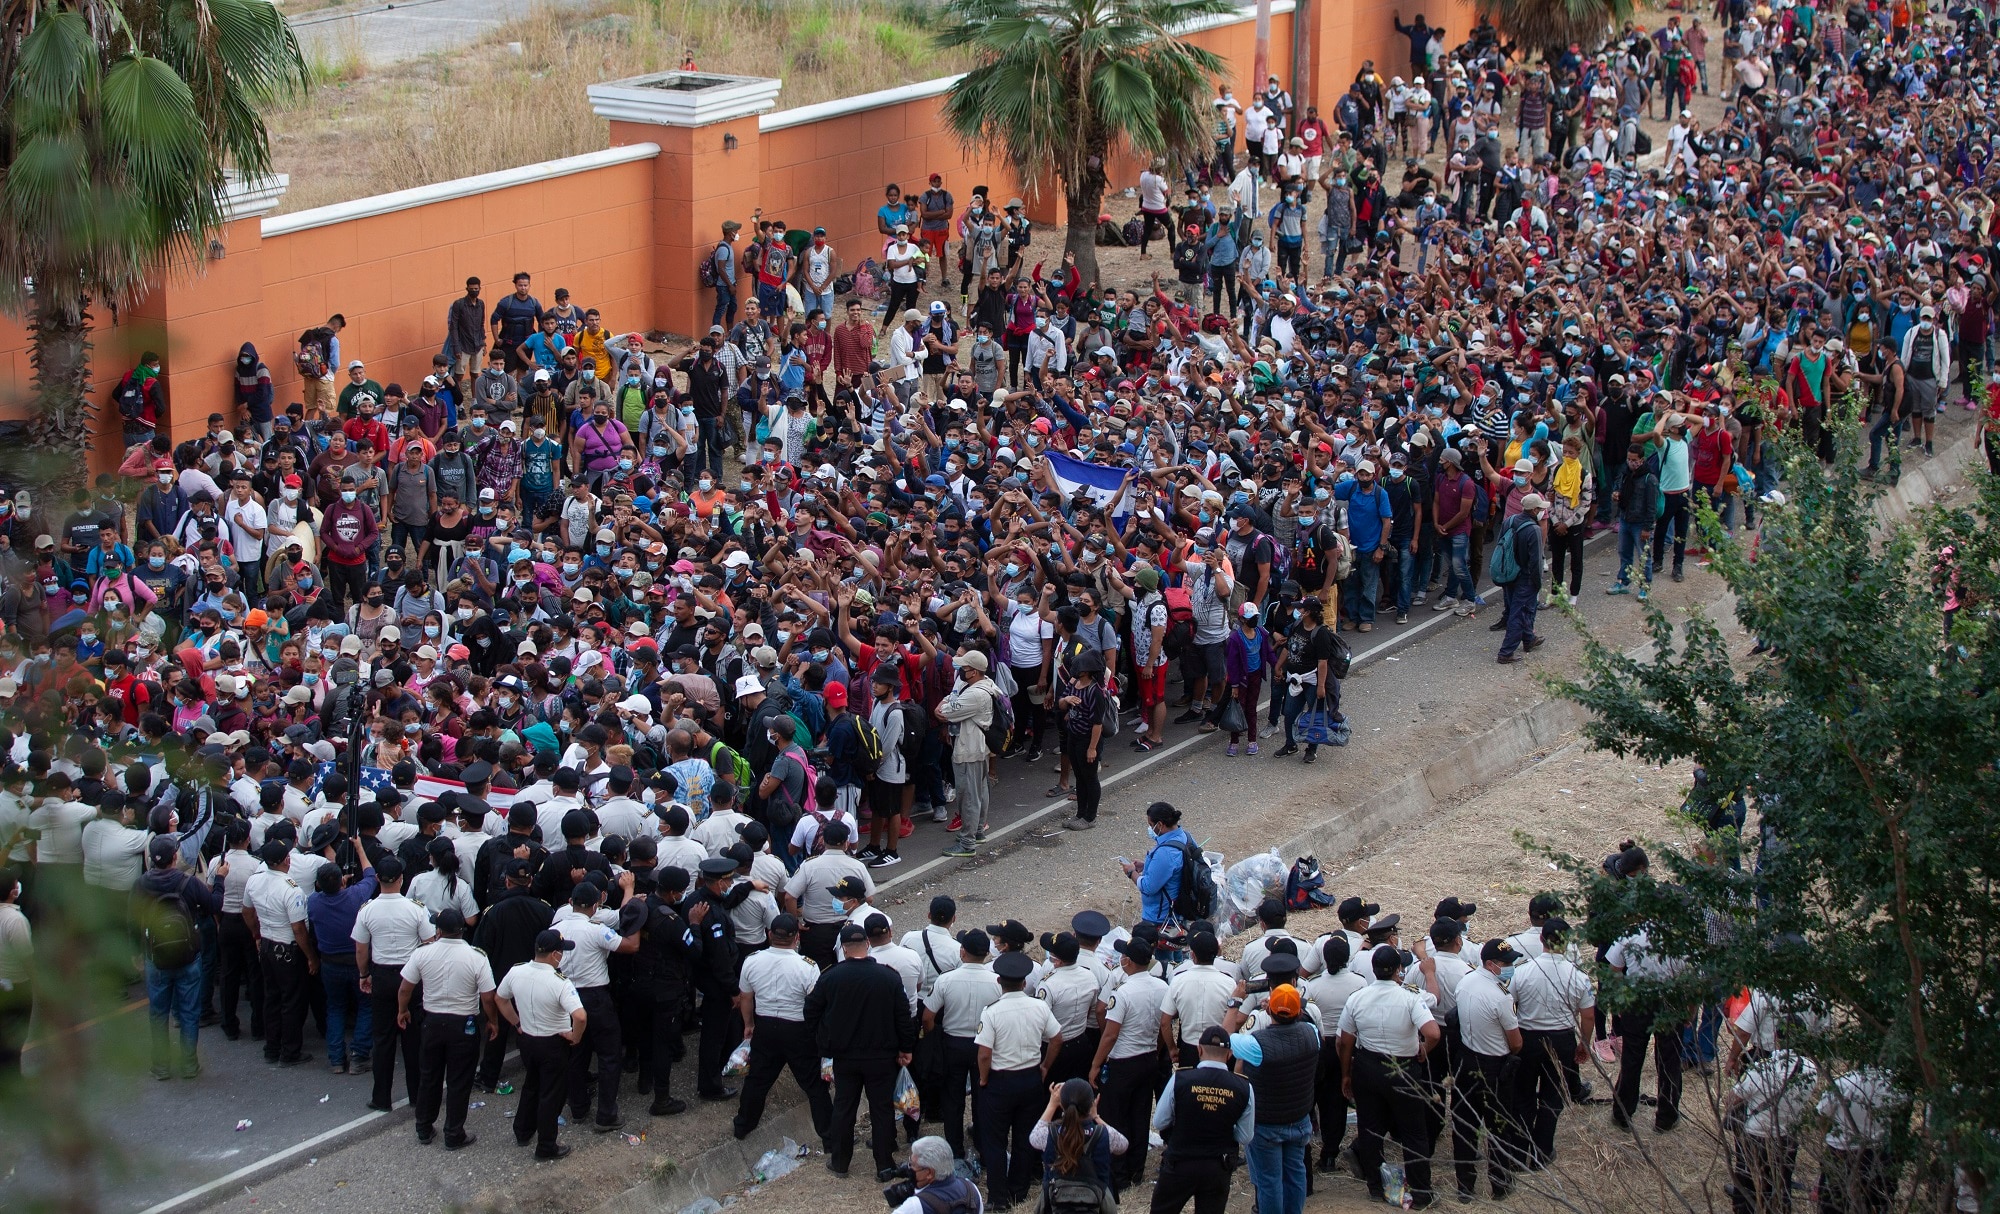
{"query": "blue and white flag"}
pixel 1103 485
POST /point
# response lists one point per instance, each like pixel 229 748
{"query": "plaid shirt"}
pixel 499 465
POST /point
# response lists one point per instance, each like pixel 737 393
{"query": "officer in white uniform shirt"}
pixel 621 814
pixel 1271 913
pixel 718 830
pixel 543 1005
pixel 1070 990
pixel 1771 1100
pixel 589 967
pixel 1461 910
pixel 1541 908
pixel 809 894
pixel 677 850
pixel 1196 998
pixel 387 931
pixel 457 984
pixel 953 1008
pixel 883 947
pixel 563 798
pixel 1646 1024
pixel 764 866
pixel 1017 1040
pixel 772 987
pixel 1558 1007
pixel 1385 1029
pixel 275 909
pixel 935 944
pixel 399 819
pixel 1326 995
pixel 1854 1176
pixel 1127 1055
pixel 1489 1039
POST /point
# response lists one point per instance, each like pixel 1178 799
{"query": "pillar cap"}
pixel 252 197
pixel 686 99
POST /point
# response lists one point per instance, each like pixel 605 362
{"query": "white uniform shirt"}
pixel 679 851
pixel 586 965
pixel 1550 992
pixel 542 998
pixel 1386 1018
pixel 112 854
pixel 278 904
pixel 392 927
pixel 1196 997
pixel 1855 1107
pixel 941 957
pixel 718 830
pixel 1070 991
pixel 1528 943
pixel 1451 969
pixel 1016 1027
pixel 1311 960
pixel 1485 1013
pixel 812 886
pixel 779 979
pixel 624 816
pixel 242 867
pixel 1329 993
pixel 908 966
pixel 453 974
pixel 1135 1006
pixel 958 997
pixel 429 890
pixel 1776 1091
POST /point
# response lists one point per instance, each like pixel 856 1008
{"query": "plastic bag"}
pixel 1394 1190
pixel 738 1064
pixel 826 1069
pixel 908 1104
pixel 781 1160
pixel 1247 883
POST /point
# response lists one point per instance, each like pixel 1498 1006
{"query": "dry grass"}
pixel 490 107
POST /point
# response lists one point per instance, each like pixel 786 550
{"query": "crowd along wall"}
pixel 622 228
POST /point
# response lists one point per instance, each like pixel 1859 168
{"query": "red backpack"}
pixel 1180 619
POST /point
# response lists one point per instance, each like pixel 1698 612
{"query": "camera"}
pixel 901 1189
pixel 1258 985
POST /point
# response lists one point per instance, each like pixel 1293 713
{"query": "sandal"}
pixel 1059 791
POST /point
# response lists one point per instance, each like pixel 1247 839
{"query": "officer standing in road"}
pixel 860 1019
pixel 1385 1030
pixel 935 943
pixel 1489 1049
pixel 458 984
pixel 1127 1055
pixel 275 911
pixel 1018 1039
pixel 1198 996
pixel 773 988
pixel 1207 1116
pixel 1558 1009
pixel 707 912
pixel 1070 990
pixel 662 978
pixel 809 894
pixel 1443 969
pixel 386 935
pixel 953 1008
pixel 589 968
pixel 544 1007
pixel 1327 994
pixel 506 933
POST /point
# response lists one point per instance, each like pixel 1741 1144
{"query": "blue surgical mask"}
pixel 624 465
pixel 1013 569
pixel 604 550
pixel 157 562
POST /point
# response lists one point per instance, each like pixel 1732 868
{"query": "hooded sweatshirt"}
pixel 253 385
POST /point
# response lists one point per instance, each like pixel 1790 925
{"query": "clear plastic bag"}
pixel 738 1064
pixel 1394 1189
pixel 1247 883
pixel 907 1102
pixel 781 1160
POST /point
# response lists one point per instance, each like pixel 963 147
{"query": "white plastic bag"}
pixel 1247 883
pixel 907 1102
pixel 739 1062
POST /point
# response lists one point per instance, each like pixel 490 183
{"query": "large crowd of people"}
pixel 572 701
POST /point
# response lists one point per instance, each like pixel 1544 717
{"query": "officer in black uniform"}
pixel 662 975
pixel 506 934
pixel 707 912
pixel 558 875
pixel 1206 1120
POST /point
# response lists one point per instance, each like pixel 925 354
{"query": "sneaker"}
pixel 960 851
pixel 1618 588
pixel 1231 752
pixel 956 823
pixel 1642 594
pixel 1465 611
pixel 867 854
pixel 1288 750
pixel 1188 717
pixel 1034 755
pixel 1604 1051
pixel 941 816
pixel 1364 626
pixel 1252 751
pixel 904 830
pixel 1402 617
pixel 1417 599
pixel 951 794
pixel 1929 450
pixel 1444 604
pixel 885 860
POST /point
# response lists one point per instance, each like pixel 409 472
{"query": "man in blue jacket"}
pixel 1158 876
pixel 1369 513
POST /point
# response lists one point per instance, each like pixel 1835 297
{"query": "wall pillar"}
pixel 708 170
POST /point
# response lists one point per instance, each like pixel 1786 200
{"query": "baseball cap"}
pixel 550 940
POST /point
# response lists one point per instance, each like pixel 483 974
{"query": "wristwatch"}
pixel 1233 1004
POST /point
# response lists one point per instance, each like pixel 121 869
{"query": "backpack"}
pixel 869 741
pixel 1196 896
pixel 706 272
pixel 911 744
pixel 1107 712
pixel 1281 556
pixel 1305 885
pixel 1342 660
pixel 727 762
pixel 311 356
pixel 1482 504
pixel 1503 566
pixel 168 935
pixel 798 755
pixel 1180 619
pixel 130 396
pixel 1000 730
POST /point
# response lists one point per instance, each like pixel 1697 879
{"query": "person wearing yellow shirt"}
pixel 592 343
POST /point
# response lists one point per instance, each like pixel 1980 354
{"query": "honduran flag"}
pixel 1103 485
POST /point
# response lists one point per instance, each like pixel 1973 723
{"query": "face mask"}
pixel 348 496
pixel 166 478
pixel 809 498
pixel 705 484
pixel 784 638
pixel 624 465
pixel 624 574
pixel 540 432
pixel 1395 474
pixel 604 550
pixel 1013 569
pixel 1520 480
pixel 658 452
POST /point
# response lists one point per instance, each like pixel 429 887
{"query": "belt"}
pixel 1381 1057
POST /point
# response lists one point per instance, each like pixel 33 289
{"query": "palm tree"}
pixel 1059 82
pixel 1549 26
pixel 119 124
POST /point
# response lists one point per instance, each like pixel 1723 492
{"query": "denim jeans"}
pixel 1632 540
pixel 822 302
pixel 725 306
pixel 1405 556
pixel 1458 582
pixel 1297 702
pixel 1362 588
pixel 342 983
pixel 1893 431
pixel 708 434
pixel 1277 1159
pixel 177 991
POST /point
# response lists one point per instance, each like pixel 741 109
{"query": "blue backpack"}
pixel 1503 566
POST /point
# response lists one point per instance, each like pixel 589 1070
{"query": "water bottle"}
pixel 1571 951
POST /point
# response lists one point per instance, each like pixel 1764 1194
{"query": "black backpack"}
pixel 130 396
pixel 1196 896
pixel 911 744
pixel 167 934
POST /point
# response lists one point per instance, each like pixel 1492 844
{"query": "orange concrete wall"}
pixel 623 238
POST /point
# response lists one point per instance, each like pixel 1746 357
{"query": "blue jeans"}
pixel 1458 582
pixel 822 302
pixel 1306 697
pixel 708 436
pixel 1277 1158
pixel 345 1004
pixel 725 306
pixel 1405 554
pixel 1520 598
pixel 178 991
pixel 1362 588
pixel 1633 540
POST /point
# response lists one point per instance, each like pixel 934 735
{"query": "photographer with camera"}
pixel 928 1184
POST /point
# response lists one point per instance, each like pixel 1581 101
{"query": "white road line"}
pixel 1437 619
pixel 251 1169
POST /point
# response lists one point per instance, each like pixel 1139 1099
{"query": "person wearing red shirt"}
pixel 853 346
pixel 365 426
